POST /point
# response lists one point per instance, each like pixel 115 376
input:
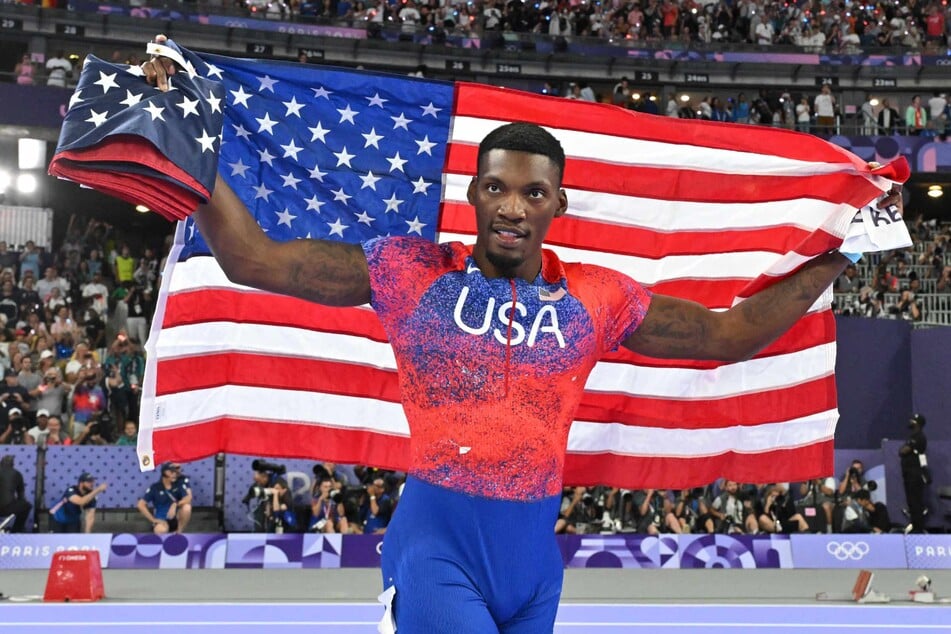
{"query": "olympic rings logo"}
pixel 847 550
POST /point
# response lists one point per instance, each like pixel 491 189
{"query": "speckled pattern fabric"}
pixel 492 369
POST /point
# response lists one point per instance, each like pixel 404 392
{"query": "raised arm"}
pixel 680 329
pixel 321 271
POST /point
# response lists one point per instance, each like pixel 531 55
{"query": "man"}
pixel 13 502
pixel 76 510
pixel 326 512
pixel 37 434
pixel 171 501
pixel 915 474
pixel 377 509
pixel 16 428
pixel 471 548
pixel 58 69
pixel 51 280
pixel 876 513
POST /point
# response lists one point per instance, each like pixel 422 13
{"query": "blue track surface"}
pixel 360 618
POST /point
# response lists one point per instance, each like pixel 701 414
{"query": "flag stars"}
pixel 341 196
pixel 313 204
pixel 344 157
pixel 156 111
pixel 321 92
pixel 316 174
pixel 337 227
pixel 212 71
pixel 415 226
pixel 97 118
pixel 214 102
pixel 430 110
pixel 261 191
pixel 396 163
pixel 401 122
pixel 75 99
pixel 188 106
pixel 207 142
pixel 420 186
pixel 369 181
pixel 372 138
pixel 107 81
pixel 285 217
pixel 318 132
pixel 267 83
pixel 266 124
pixel 365 218
pixel 290 180
pixel 240 132
pixel 239 168
pixel 377 100
pixel 131 99
pixel 293 108
pixel 241 97
pixel 347 114
pixel 266 157
pixel 425 146
pixel 135 71
pixel 291 150
pixel 393 204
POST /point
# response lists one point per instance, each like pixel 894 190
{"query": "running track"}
pixel 360 618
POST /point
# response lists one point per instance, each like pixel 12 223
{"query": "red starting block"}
pixel 75 576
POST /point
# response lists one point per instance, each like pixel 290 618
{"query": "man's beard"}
pixel 504 263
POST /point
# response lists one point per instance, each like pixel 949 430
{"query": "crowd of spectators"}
pixel 729 507
pixel 814 25
pixel 893 285
pixel 72 325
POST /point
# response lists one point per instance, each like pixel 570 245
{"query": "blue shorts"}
pixel 467 564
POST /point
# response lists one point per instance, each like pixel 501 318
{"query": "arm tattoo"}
pixel 331 274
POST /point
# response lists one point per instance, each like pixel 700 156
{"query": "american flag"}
pixel 705 211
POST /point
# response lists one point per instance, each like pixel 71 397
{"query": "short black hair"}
pixel 525 137
pixel 862 494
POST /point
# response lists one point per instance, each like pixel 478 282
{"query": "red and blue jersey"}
pixel 491 370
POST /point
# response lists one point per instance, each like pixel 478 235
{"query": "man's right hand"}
pixel 158 69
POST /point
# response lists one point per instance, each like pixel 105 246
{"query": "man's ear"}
pixel 562 203
pixel 470 191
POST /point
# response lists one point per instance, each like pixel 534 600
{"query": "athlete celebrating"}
pixel 495 342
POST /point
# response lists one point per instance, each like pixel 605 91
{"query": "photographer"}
pixel 16 428
pixel 578 512
pixel 88 400
pixel 52 392
pixel 692 511
pixel 817 502
pixel 655 512
pixel 281 517
pixel 170 499
pixel 853 480
pixel 377 507
pixel 777 513
pixel 260 496
pixel 327 512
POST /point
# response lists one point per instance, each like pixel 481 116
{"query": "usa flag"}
pixel 705 211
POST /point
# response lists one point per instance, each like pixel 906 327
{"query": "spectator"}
pixel 13 502
pixel 58 70
pixel 55 434
pixel 15 431
pixel 130 435
pixel 30 260
pixel 75 512
pixel 887 119
pixel 37 434
pixel 818 502
pixel 23 70
pixel 377 508
pixel 777 513
pixel 170 501
pixel 655 512
pixel 140 306
pixel 848 281
pixel 825 110
pixel 692 511
pixel 875 513
pixel 916 118
pixel 936 112
pixel 124 367
pixel 867 112
pixel 87 400
pixel 915 473
pixel 327 512
pixel 124 266
pixel 9 302
pixel 96 293
pixel 764 31
pixel 12 395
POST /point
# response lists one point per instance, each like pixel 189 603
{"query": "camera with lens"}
pixel 269 467
pixel 587 499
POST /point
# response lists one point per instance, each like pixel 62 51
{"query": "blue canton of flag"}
pixel 131 140
pixel 325 153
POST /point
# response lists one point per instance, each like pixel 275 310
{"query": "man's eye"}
pixel 493 188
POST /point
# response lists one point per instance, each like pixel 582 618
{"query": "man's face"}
pixel 86 486
pixel 54 426
pixel 516 195
pixel 42 422
pixel 130 429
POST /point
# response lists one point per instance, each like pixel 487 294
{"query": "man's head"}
pixel 130 429
pixel 863 498
pixel 42 418
pixel 377 487
pixel 54 425
pixel 916 422
pixel 170 471
pixel 516 193
pixel 87 482
pixel 10 375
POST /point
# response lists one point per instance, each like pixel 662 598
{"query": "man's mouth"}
pixel 509 237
